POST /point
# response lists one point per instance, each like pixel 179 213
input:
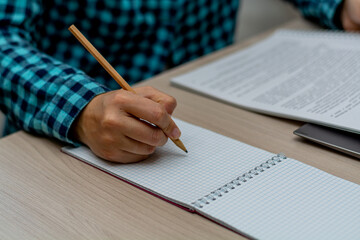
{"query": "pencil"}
pixel 106 65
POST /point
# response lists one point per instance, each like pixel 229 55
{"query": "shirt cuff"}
pixel 325 12
pixel 69 101
pixel 333 19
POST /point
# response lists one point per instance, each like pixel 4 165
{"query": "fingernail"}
pixel 175 133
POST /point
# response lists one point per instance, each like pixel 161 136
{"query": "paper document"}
pixel 312 76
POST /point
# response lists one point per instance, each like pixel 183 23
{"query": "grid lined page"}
pixel 213 160
pixel 296 201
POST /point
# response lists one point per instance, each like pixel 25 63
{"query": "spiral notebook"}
pixel 246 189
pixel 312 76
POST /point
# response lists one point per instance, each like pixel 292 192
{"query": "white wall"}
pixel 257 16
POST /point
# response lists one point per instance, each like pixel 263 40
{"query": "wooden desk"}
pixel 47 194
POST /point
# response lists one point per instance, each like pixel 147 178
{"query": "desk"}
pixel 47 194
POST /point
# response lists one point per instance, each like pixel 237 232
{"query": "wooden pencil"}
pixel 106 65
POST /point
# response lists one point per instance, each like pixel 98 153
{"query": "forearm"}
pixel 38 93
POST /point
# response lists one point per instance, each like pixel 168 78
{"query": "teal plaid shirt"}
pixel 47 77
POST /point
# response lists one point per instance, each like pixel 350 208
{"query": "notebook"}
pixel 251 191
pixel 312 76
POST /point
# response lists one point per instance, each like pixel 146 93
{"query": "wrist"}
pixel 77 130
pixel 84 120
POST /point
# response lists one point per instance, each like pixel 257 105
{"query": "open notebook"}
pixel 249 190
pixel 311 76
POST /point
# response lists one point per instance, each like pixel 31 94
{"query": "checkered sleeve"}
pixel 37 93
pixel 324 12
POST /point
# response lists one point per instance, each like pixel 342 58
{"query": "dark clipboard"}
pixel 342 141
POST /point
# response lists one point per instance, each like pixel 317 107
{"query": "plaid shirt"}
pixel 323 12
pixel 47 77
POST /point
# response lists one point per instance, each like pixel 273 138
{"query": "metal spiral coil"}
pixel 207 199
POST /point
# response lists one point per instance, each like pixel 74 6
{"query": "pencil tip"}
pixel 186 151
pixel 179 143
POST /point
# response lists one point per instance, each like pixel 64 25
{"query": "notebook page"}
pixel 295 201
pixel 310 76
pixel 183 178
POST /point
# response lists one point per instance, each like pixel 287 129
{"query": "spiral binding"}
pixel 207 199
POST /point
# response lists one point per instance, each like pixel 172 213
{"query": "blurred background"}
pixel 255 17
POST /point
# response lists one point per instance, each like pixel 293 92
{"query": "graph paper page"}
pixel 287 201
pixel 291 201
pixel 213 160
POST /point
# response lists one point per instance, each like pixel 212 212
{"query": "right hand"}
pixel 350 15
pixel 110 124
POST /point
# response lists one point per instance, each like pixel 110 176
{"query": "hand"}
pixel 350 15
pixel 110 124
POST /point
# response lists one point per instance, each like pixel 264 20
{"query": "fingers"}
pixel 151 111
pixel 120 156
pixel 154 113
pixel 119 148
pixel 136 147
pixel 143 132
pixel 164 99
pixel 116 125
